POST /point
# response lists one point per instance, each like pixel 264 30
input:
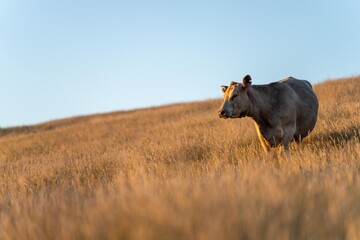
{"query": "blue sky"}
pixel 64 58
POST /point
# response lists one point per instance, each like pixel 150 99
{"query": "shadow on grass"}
pixel 42 127
pixel 335 138
pixel 16 130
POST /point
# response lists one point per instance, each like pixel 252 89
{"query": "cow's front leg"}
pixel 264 142
pixel 274 136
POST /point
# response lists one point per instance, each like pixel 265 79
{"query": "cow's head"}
pixel 236 100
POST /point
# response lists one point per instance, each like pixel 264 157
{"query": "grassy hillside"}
pixel 180 172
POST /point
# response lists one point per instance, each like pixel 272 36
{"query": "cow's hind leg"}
pixel 287 138
pixel 298 140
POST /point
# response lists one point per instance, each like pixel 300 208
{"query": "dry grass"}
pixel 179 172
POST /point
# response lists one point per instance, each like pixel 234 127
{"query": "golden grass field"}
pixel 180 172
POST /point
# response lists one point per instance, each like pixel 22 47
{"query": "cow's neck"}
pixel 259 104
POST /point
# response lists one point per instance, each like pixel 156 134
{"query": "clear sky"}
pixel 74 57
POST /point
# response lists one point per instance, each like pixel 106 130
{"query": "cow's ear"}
pixel 224 88
pixel 246 81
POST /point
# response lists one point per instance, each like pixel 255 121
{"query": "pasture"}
pixel 181 172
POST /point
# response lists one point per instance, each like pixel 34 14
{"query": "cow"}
pixel 282 111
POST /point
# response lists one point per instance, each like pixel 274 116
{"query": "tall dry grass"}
pixel 179 172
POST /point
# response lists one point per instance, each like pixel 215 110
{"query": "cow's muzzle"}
pixel 223 114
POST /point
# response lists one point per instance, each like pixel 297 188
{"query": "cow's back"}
pixel 306 105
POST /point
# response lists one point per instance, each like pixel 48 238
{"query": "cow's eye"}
pixel 233 96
